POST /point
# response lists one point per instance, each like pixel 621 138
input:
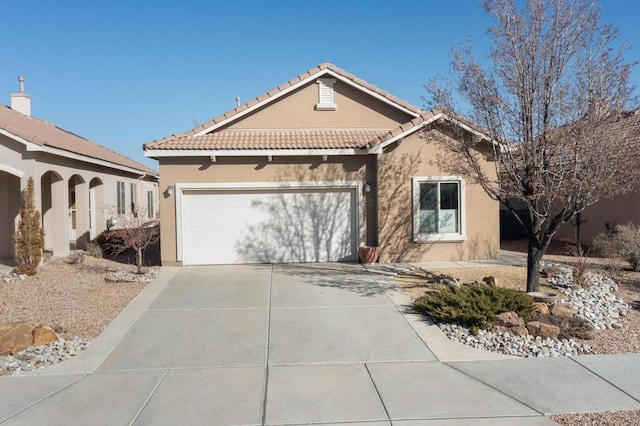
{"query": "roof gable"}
pixel 325 70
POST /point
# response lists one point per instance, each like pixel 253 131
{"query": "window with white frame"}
pixel 325 94
pixel 150 204
pixel 134 198
pixel 121 198
pixel 438 209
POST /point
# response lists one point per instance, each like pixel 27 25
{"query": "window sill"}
pixel 326 107
pixel 436 238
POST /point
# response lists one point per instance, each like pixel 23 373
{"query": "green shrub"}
pixel 474 305
pixel 621 242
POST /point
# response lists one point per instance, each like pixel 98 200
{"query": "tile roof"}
pixel 274 139
pixel 170 142
pixel 43 133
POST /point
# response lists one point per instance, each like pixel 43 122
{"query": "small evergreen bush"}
pixel 29 237
pixel 474 305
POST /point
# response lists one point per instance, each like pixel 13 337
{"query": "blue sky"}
pixel 125 72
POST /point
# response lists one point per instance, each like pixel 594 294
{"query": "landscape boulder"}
pixel 509 319
pixel 44 335
pixel 14 337
pixel 563 310
pixel 541 308
pixel 490 281
pixel 537 328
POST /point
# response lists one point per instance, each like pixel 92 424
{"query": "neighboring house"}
pixel 312 170
pixel 79 185
pixel 608 213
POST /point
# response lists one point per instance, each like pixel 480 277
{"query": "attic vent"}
pixel 325 94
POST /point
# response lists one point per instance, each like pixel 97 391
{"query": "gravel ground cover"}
pixel 625 339
pixel 77 300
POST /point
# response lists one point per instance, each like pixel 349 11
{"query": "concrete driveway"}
pixel 296 344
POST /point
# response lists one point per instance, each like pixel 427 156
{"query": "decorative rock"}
pixel 14 337
pixel 509 319
pixel 518 330
pixel 490 281
pixel 40 356
pixel 44 335
pixel 541 329
pixel 563 310
pixel 540 307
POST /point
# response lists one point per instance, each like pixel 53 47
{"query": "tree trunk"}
pixel 534 256
pixel 139 260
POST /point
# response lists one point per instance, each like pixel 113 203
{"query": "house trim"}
pixel 87 159
pixel 11 170
pixel 30 145
pixel 180 188
pixel 251 152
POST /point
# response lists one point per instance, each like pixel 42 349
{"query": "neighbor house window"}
pixel 121 198
pixel 325 94
pixel 134 198
pixel 150 204
pixel 438 209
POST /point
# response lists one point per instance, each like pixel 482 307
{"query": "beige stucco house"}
pixel 310 171
pixel 79 185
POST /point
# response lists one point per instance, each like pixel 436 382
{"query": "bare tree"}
pixel 554 81
pixel 131 231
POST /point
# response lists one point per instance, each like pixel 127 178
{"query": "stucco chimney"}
pixel 20 101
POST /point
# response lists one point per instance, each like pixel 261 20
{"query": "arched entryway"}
pixel 96 208
pixel 9 209
pixel 79 216
pixel 54 196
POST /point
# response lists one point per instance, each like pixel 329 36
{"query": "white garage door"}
pixel 269 226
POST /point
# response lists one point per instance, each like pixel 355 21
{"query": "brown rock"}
pixel 541 308
pixel 509 319
pixel 14 337
pixel 563 310
pixel 541 329
pixel 490 281
pixel 44 335
pixel 518 330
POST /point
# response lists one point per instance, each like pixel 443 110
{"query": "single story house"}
pixel 80 186
pixel 313 169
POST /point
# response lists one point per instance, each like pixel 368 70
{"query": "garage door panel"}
pixel 269 226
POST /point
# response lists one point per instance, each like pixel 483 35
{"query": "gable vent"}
pixel 325 94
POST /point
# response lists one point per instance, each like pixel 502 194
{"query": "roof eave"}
pixel 158 153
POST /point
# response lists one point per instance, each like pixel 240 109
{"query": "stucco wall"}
pixel 594 219
pixel 414 157
pixel 189 170
pixel 354 109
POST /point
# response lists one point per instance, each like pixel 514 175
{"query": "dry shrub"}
pixel 622 242
pixel 570 327
pixel 76 257
pixel 580 263
pixel 93 249
pixel 29 237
